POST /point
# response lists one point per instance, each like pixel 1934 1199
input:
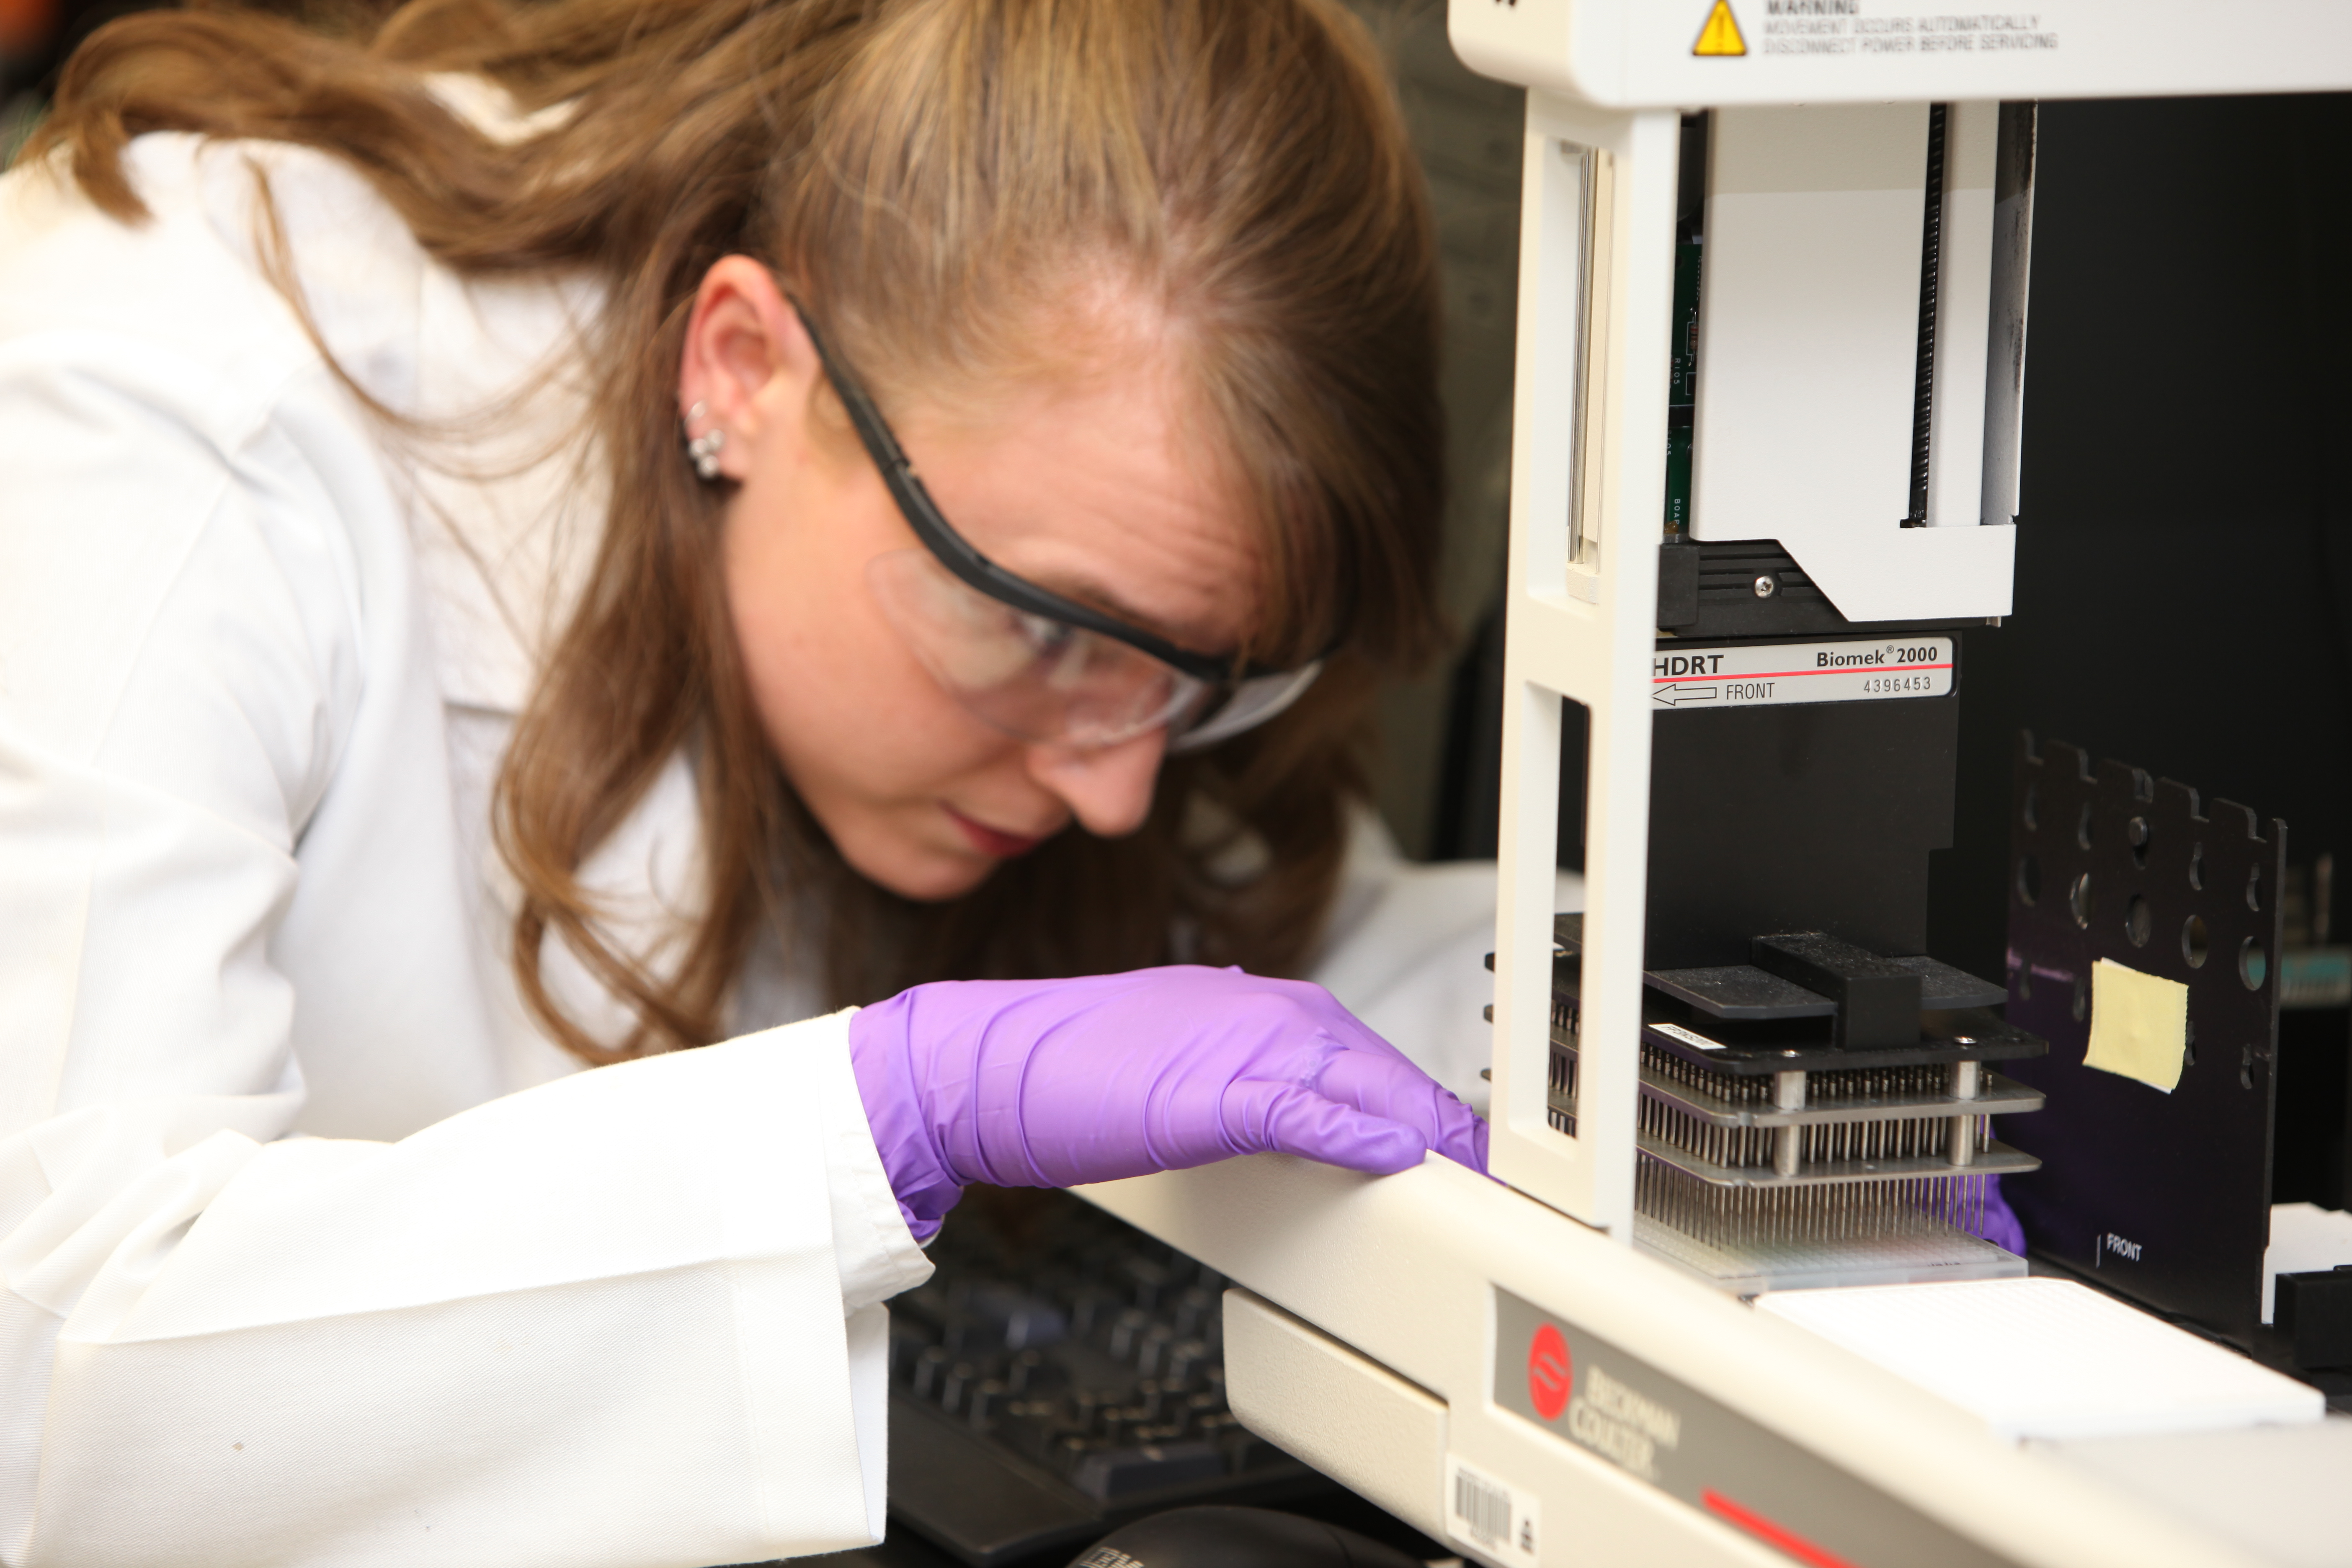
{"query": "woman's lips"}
pixel 991 841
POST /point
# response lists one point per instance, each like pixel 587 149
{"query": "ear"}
pixel 747 359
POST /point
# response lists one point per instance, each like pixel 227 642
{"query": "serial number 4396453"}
pixel 1891 683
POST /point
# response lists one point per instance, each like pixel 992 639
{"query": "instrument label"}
pixel 1492 1519
pixel 1755 674
pixel 1624 1413
pixel 1686 1037
pixel 1863 29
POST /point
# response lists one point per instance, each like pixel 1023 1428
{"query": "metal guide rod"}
pixel 1788 1148
pixel 1967 1080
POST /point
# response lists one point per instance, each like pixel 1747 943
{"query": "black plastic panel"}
pixel 1878 1001
pixel 1708 589
pixel 1740 990
pixel 1747 993
pixel 1803 816
pixel 2315 1314
pixel 2163 1197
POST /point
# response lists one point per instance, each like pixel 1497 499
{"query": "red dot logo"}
pixel 1550 1373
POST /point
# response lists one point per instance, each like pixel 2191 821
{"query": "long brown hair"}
pixel 926 173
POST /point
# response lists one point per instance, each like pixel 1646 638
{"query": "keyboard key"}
pixel 1076 1368
pixel 959 1377
pixel 931 1370
pixel 1092 1306
pixel 1194 1307
pixel 1148 1279
pixel 1185 1359
pixel 984 1402
pixel 1112 1474
pixel 1004 1317
pixel 1127 1330
pixel 1030 1371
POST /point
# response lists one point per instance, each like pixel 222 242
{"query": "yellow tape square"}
pixel 2139 1025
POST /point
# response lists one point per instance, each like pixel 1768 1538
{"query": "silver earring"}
pixel 704 448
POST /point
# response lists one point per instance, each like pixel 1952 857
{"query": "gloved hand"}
pixel 1999 1224
pixel 1052 1083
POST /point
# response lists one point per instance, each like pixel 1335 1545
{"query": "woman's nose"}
pixel 1108 787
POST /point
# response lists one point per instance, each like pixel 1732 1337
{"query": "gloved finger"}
pixel 1396 1091
pixel 1999 1223
pixel 1289 1119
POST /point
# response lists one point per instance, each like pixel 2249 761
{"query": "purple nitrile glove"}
pixel 1053 1083
pixel 1999 1224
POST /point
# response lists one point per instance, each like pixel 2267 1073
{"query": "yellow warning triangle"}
pixel 1721 33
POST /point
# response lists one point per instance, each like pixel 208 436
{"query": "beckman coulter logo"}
pixel 1622 1425
pixel 1551 1372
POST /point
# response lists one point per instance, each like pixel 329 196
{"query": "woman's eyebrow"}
pixel 1078 584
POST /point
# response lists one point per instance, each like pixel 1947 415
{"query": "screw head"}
pixel 1766 585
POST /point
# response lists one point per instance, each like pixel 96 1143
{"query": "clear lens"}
pixel 1029 675
pixel 1250 704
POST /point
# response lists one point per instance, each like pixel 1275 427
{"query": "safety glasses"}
pixel 1024 659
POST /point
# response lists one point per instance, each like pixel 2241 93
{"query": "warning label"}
pixel 1721 33
pixel 1838 27
pixel 1801 672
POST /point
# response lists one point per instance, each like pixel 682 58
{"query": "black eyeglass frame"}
pixel 959 555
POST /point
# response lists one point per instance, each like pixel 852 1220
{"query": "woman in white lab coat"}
pixel 467 612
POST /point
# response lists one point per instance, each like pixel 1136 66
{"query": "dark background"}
pixel 2184 550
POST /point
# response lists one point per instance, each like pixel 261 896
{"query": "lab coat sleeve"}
pixel 1406 949
pixel 600 1322
pixel 628 1317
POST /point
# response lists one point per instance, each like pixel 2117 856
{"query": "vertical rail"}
pixel 1931 280
pixel 1588 494
pixel 1551 376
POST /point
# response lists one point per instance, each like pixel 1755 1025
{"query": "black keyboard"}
pixel 1061 1374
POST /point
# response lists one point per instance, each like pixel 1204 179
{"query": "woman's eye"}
pixel 1045 636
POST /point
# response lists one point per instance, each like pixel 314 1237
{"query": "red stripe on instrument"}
pixel 1787 1540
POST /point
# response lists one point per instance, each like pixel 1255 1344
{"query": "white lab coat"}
pixel 314 1249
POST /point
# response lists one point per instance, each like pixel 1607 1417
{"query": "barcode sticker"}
pixel 1686 1037
pixel 1490 1517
